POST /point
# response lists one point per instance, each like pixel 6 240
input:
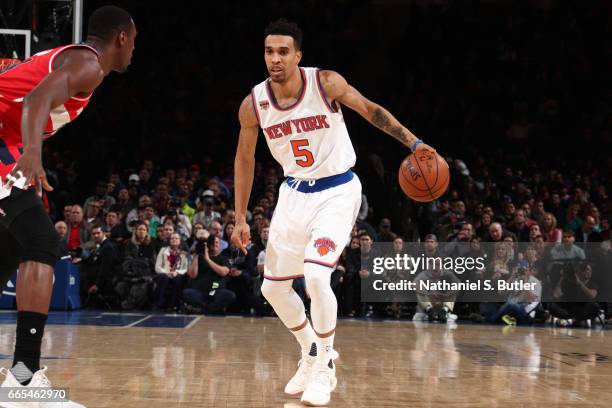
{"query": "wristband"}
pixel 413 147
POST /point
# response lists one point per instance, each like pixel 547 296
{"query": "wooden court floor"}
pixel 243 362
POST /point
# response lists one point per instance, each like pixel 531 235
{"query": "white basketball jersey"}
pixel 309 139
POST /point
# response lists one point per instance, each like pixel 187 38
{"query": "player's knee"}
pixel 317 279
pixel 272 289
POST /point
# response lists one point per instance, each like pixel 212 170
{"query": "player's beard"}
pixel 280 78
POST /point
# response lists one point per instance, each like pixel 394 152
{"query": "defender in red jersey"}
pixel 37 98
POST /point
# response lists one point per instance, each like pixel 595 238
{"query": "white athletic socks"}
pixel 325 348
pixel 305 336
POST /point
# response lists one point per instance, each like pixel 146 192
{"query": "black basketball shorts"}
pixel 26 231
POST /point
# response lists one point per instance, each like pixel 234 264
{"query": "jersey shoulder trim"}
pixel 66 47
pixel 254 103
pixel 322 91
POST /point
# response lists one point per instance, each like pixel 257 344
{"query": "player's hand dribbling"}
pixel 30 166
pixel 241 237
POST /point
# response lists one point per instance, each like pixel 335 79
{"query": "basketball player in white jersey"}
pixel 299 112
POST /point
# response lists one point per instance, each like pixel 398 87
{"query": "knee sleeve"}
pixel 323 304
pixel 37 236
pixel 286 303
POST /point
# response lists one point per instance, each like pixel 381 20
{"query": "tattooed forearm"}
pixel 388 124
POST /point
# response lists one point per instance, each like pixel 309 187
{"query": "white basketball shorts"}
pixel 312 223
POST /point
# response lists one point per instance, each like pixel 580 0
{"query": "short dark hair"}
pixel 105 22
pixel 366 234
pixel 284 27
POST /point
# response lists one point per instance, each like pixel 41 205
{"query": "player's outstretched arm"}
pixel 78 73
pixel 337 88
pixel 244 167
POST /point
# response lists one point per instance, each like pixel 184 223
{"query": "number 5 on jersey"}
pixel 303 157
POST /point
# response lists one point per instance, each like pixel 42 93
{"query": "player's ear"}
pixel 298 55
pixel 122 37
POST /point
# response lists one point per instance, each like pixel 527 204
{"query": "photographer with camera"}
pixel 520 306
pixel 245 280
pixel 576 292
pixel 208 273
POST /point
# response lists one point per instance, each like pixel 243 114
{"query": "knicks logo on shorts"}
pixel 324 246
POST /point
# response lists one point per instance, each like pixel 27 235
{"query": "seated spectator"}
pixel 99 268
pixel 576 292
pixel 482 230
pixel 384 231
pixel 509 210
pixel 534 231
pixel 511 243
pixel 67 213
pixel 538 212
pixel 519 226
pixel 435 304
pixel 124 202
pixel 114 228
pixel 587 232
pixel 161 199
pixel 208 273
pixel 496 232
pixel 79 233
pixel 228 230
pixel 62 233
pixel 549 228
pixel 180 221
pixel 137 271
pixel 216 230
pixel 206 215
pixel 148 215
pixel 184 206
pixel 93 213
pixel 520 306
pixel 499 267
pixel 572 219
pixel 171 266
pixel 244 280
pixel 162 236
pixel 133 215
pixel 102 196
pixel 567 251
pixel 229 217
pixel 526 208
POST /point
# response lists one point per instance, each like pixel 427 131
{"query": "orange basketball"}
pixel 424 175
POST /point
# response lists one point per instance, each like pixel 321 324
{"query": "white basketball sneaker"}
pixel 322 382
pixel 297 384
pixel 39 380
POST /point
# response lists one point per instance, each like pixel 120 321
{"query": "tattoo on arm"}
pixel 380 119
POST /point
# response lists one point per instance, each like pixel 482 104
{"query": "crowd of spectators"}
pixel 517 97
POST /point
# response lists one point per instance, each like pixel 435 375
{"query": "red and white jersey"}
pixel 15 83
pixel 309 139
